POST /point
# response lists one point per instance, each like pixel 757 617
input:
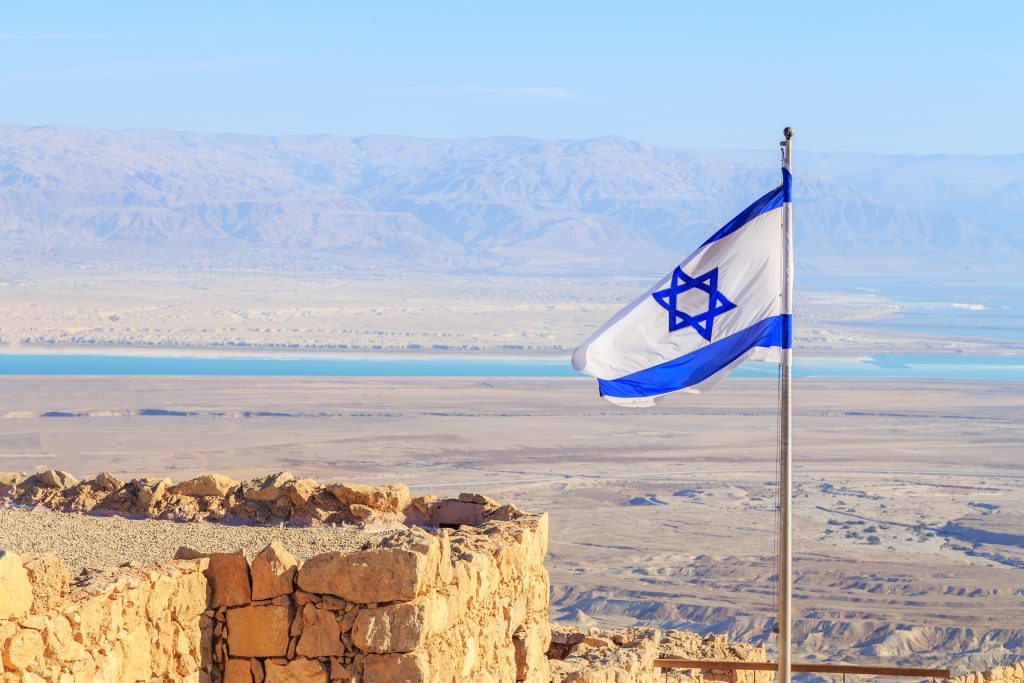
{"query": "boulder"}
pixel 105 481
pixel 389 498
pixel 531 646
pixel 237 671
pixel 191 594
pixel 423 503
pixel 228 574
pixel 296 671
pixel 60 640
pixel 206 485
pixel 361 512
pixel 267 489
pixel 9 483
pixel 24 650
pixel 479 499
pixel 16 596
pixel 300 491
pixel 258 630
pixel 273 572
pixel 83 496
pixel 57 479
pixel 395 628
pixel 12 478
pixel 506 513
pixel 150 491
pixel 321 633
pixel 411 667
pixel 377 575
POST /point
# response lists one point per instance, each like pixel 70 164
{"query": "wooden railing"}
pixel 843 669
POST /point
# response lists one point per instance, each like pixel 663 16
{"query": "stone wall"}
pixel 468 603
pixel 132 625
pixel 465 602
pixel 600 656
pixel 627 656
pixel 714 647
pixel 456 605
pixel 1013 673
pixel 272 499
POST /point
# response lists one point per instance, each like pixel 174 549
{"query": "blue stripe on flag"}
pixel 697 366
pixel 772 200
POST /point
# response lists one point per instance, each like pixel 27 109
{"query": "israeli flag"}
pixel 727 303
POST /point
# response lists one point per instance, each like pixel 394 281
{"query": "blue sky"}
pixel 918 77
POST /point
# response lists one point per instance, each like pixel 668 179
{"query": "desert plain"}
pixel 909 499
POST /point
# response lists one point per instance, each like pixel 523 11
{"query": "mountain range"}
pixel 606 204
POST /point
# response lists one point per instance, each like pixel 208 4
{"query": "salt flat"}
pixel 116 306
pixel 658 516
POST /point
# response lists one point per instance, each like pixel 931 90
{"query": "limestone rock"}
pixel 300 491
pixel 394 628
pixel 531 646
pixel 228 574
pixel 296 671
pixel 60 640
pixel 273 572
pixel 361 512
pixel 321 633
pixel 506 513
pixel 12 478
pixel 377 575
pixel 479 499
pixel 206 485
pixel 601 656
pixel 16 593
pixel 83 496
pixel 150 491
pixel 411 667
pixel 49 578
pixel 191 593
pixel 57 479
pixel 339 672
pixel 389 498
pixel 258 630
pixel 423 503
pixel 24 650
pixel 256 666
pixel 267 489
pixel 237 671
pixel 105 481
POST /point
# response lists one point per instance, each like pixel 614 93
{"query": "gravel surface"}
pixel 86 541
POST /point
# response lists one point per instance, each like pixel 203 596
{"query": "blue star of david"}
pixel 702 322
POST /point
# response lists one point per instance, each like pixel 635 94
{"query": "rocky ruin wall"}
pixel 1000 674
pixel 135 625
pixel 466 604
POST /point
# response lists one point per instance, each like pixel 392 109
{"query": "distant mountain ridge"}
pixel 607 203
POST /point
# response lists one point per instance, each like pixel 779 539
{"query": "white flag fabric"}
pixel 721 306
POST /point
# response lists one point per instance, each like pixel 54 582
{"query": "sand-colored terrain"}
pixel 99 542
pixel 86 308
pixel 659 516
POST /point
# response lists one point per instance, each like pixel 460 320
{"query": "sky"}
pixel 887 77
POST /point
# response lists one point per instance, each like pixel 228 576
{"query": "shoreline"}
pixel 510 355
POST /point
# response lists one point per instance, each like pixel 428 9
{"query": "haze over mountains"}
pixel 510 203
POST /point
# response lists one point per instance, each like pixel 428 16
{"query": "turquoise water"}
pixel 881 366
pixel 930 307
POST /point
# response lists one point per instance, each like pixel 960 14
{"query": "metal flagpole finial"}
pixel 788 132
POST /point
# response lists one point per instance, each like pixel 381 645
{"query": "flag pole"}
pixel 786 464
